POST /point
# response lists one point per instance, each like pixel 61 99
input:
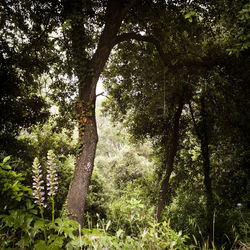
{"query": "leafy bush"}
pixel 13 191
pixel 97 200
pixel 187 213
pixel 22 227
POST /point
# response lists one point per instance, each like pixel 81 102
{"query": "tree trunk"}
pixel 206 169
pixel 172 149
pixel 202 133
pixel 88 137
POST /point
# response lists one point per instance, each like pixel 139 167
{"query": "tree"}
pixel 39 26
pixel 88 75
pixel 138 96
pixel 152 101
pixel 115 13
pixel 70 41
pixel 21 65
pixel 203 135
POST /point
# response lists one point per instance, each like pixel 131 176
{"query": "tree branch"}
pixel 102 93
pixel 134 36
pixel 206 63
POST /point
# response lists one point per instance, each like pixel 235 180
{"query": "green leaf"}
pixel 119 233
pixel 55 242
pixel 77 243
pixel 108 224
pixel 5 160
pixel 40 245
pixel 38 225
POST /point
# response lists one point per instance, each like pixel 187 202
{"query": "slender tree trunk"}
pixel 88 137
pixel 202 134
pixel 206 169
pixel 172 149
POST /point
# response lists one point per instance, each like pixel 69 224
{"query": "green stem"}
pixel 44 229
pixel 53 209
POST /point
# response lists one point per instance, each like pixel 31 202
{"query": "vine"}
pixel 85 110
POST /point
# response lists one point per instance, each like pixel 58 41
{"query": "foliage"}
pixel 127 220
pixel 187 213
pixel 25 55
pixel 240 31
pixel 129 213
pixel 119 170
pixel 118 160
pixel 22 228
pixel 97 200
pixel 194 50
pixel 25 230
pixel 11 185
pixel 36 143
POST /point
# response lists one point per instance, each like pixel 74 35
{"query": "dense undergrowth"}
pixel 132 226
pixel 120 206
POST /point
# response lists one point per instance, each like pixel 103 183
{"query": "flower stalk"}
pixel 38 190
pixel 52 180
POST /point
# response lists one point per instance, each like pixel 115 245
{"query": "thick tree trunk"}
pixel 172 149
pixel 88 137
pixel 84 163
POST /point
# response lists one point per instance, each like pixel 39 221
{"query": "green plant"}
pixel 23 229
pixel 129 213
pixel 11 186
pixel 38 192
pixel 52 180
pixel 161 236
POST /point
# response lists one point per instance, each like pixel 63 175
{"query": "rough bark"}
pixel 115 13
pixel 172 149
